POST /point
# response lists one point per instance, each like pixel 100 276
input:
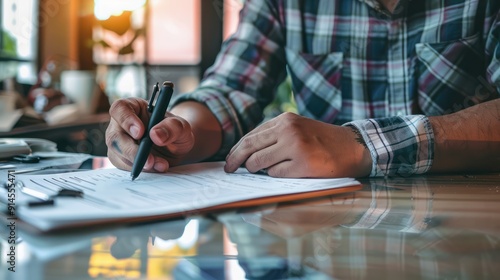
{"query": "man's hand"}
pixel 173 137
pixel 294 146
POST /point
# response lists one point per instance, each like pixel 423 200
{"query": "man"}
pixel 382 88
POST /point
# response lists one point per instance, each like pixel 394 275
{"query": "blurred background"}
pixel 63 62
pixel 128 44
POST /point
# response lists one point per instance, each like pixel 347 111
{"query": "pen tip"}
pixel 133 177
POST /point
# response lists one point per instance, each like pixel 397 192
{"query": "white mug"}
pixel 79 86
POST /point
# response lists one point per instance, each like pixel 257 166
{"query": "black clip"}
pixel 156 88
pixel 69 193
pixel 44 199
pixel 64 192
pixel 48 202
pixel 27 158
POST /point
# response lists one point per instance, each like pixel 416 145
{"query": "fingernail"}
pixel 161 133
pixel 134 131
pixel 160 166
pixel 227 167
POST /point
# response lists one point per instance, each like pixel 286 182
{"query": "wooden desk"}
pixel 83 136
pixel 430 227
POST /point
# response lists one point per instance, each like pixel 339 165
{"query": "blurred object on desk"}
pixel 63 94
pixel 23 146
pixel 85 135
pixel 8 116
pixel 45 99
pixel 15 112
pixel 79 86
pixel 82 88
pixel 63 114
pixel 38 145
pixel 12 147
pixel 96 102
pixel 59 84
pixel 46 93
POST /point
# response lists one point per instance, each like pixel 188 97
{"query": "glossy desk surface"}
pixel 445 227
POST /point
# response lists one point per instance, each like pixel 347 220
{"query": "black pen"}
pixel 157 115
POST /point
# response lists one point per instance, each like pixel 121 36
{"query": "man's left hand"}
pixel 294 146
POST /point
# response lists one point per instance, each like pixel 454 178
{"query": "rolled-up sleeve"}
pixel 493 53
pixel 246 73
pixel 402 145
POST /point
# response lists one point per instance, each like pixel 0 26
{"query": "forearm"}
pixel 468 140
pixel 206 129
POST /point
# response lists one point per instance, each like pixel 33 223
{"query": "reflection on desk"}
pixel 401 228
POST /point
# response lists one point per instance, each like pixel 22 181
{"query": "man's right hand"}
pixel 173 137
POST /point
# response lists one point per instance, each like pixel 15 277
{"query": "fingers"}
pixel 169 130
pixel 130 115
pixel 126 127
pixel 252 150
pixel 265 158
pixel 122 151
pixel 265 126
pixel 174 133
pixel 172 137
pixel 286 146
pixel 276 162
pixel 153 163
pixel 286 169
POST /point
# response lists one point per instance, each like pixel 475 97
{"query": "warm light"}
pixel 104 9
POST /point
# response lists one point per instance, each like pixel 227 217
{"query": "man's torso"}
pixel 356 60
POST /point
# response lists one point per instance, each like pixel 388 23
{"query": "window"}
pixel 174 32
pixel 144 42
pixel 18 41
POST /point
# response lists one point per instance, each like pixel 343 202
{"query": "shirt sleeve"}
pixel 240 84
pixel 402 145
pixel 405 145
pixel 493 52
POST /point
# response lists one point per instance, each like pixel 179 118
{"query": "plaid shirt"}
pixel 353 63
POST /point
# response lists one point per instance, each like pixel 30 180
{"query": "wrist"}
pixel 399 145
pixel 361 153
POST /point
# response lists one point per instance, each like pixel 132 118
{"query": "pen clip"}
pixel 156 88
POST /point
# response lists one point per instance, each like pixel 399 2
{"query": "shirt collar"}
pixel 380 8
pixel 373 3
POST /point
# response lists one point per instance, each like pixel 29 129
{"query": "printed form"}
pixel 110 194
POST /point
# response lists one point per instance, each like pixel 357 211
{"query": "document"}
pixel 109 195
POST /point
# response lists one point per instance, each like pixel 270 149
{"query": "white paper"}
pixel 111 194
